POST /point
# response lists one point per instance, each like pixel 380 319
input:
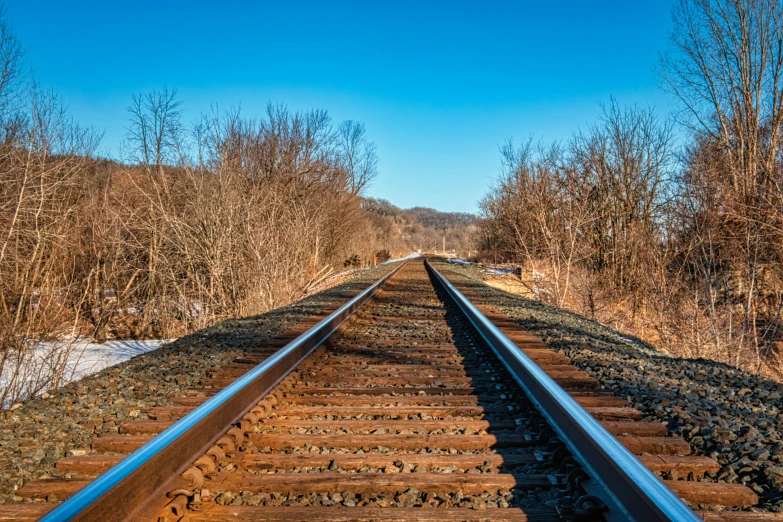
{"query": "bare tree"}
pixel 154 127
pixel 624 162
pixel 358 155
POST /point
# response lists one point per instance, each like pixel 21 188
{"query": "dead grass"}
pixel 509 283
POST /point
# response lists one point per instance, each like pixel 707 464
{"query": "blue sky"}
pixel 439 85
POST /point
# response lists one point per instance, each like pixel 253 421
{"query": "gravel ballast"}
pixel 731 415
pixel 35 435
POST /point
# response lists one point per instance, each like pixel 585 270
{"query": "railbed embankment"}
pixel 730 415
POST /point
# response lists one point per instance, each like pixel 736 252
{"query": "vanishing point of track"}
pixel 407 403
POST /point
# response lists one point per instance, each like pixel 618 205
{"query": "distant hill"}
pixel 422 228
pixel 432 218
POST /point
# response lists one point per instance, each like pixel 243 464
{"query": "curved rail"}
pixel 633 491
pixel 126 487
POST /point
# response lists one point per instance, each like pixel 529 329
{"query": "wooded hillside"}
pixel 422 228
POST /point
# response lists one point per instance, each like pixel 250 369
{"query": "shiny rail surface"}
pixel 635 492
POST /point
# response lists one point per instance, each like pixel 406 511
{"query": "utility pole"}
pixel 444 245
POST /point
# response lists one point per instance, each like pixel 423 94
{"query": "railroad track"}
pixel 419 407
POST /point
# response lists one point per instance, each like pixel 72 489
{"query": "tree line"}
pixel 668 227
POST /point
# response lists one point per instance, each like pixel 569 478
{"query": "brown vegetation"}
pixel 233 221
pixel 686 254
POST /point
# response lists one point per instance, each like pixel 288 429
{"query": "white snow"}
pixel 83 358
pixel 88 358
pixel 457 260
pixel 499 271
pixel 628 341
pixel 541 291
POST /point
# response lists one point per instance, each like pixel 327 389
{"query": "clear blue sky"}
pixel 439 85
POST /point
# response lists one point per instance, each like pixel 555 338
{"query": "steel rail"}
pixel 125 489
pixel 634 492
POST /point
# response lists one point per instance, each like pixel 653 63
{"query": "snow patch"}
pixel 88 358
pixel 499 271
pixel 628 341
pixel 83 358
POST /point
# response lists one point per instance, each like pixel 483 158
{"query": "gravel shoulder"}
pixel 36 435
pixel 730 415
